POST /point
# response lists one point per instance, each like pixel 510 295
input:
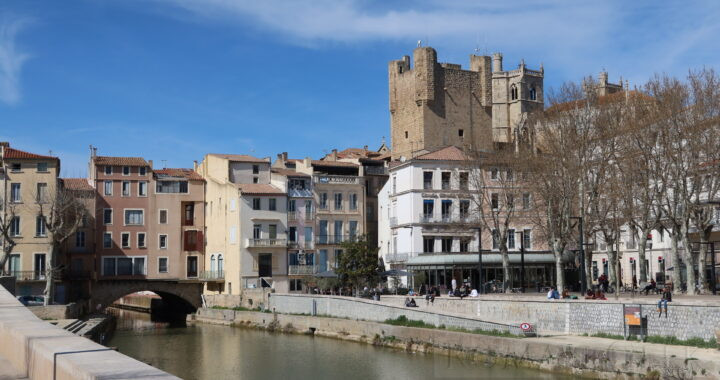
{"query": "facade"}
pixel 433 105
pixel 79 249
pixel 28 181
pixel 428 223
pixel 246 224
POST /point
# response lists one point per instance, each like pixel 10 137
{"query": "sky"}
pixel 173 80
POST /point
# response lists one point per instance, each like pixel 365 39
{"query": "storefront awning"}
pixel 449 259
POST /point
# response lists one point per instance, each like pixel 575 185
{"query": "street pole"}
pixel 480 268
pixel 583 282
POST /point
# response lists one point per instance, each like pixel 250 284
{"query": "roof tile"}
pixel 120 161
pixel 179 172
pixel 258 189
pixel 449 153
pixel 240 158
pixel 80 184
pixel 13 153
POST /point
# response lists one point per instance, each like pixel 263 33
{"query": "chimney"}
pixel 333 155
pixel 365 148
pixel 150 163
pixel 497 62
pixel 307 161
pixel 93 152
pixel 3 145
pixel 284 156
pixel 195 165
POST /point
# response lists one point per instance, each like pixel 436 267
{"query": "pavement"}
pixel 7 371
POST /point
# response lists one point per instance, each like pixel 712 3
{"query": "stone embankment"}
pixel 34 349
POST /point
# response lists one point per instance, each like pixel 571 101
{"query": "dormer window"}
pixel 108 170
pixel 533 93
pixel 513 92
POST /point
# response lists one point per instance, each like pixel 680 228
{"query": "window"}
pixel 125 188
pixel 15 195
pixel 464 181
pixel 464 245
pixel 142 189
pixel 323 201
pixel 295 285
pixel 163 217
pixel 406 134
pixel 511 239
pixel 513 92
pixel 353 228
pixel 296 184
pixel 427 180
pixel 265 265
pixel 109 266
pixel 134 217
pixel 493 173
pixel 353 201
pixel 256 231
pixel 495 239
pixel 42 193
pixel 123 266
pixel 461 133
pixel 80 239
pixel 464 208
pixel 125 240
pixel 308 208
pixel 233 235
pixel 338 231
pixel 533 93
pixel 291 205
pixel 428 206
pixel 40 226
pixel 107 240
pixel 272 231
pixel 256 180
pixel 446 244
pixel 142 170
pixel 126 170
pixel 15 226
pixel 107 216
pixel 445 180
pixel 526 201
pixel 108 187
pixel 272 204
pixel 323 226
pixel 338 201
pixel 171 187
pixel 42 167
pixel 256 169
pixel 141 239
pixel 163 264
pixel 446 209
pixel 162 241
pixel 108 170
pixel 429 244
pixel 292 234
pixel 494 201
pixel 189 214
pixel 16 167
pixel 394 185
pixel 256 203
pixel 527 242
pixel 308 236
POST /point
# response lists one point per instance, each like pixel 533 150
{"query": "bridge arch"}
pixel 183 296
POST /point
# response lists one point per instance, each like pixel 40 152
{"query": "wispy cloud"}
pixel 11 58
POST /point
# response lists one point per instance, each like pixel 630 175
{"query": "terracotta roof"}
pixel 80 184
pixel 181 172
pixel 120 161
pixel 240 158
pixel 258 189
pixel 13 153
pixel 288 172
pixel 449 153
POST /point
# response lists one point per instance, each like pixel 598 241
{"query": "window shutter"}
pixel 200 243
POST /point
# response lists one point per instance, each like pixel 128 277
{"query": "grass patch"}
pixel 503 334
pixel 404 321
pixel 670 340
pixel 240 308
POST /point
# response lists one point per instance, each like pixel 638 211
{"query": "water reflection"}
pixel 220 352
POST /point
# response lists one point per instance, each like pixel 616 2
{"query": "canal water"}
pixel 200 351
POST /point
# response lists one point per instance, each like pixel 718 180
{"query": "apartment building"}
pixel 79 250
pixel 148 224
pixel 246 224
pixel 428 223
pixel 28 181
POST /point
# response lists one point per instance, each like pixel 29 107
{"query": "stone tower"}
pixel 438 104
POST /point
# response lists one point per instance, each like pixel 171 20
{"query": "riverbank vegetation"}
pixel 404 321
pixel 671 340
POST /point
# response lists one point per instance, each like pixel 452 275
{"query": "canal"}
pixel 200 351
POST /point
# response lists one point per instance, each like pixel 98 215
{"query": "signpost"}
pixel 635 323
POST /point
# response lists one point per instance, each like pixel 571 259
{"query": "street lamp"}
pixel 583 282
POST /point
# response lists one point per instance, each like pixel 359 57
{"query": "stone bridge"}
pixel 178 295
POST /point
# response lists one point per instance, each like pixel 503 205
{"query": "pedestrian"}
pixel 666 297
pixel 454 285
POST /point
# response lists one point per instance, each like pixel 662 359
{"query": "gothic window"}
pixel 513 92
pixel 533 93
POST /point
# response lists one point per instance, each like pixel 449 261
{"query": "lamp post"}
pixel 480 268
pixel 583 282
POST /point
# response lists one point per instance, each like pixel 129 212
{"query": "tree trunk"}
pixel 559 273
pixel 612 258
pixel 588 269
pixel 49 278
pixel 676 278
pixel 507 274
pixel 642 247
pixel 689 261
pixel 702 280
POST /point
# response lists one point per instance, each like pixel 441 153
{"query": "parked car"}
pixel 31 300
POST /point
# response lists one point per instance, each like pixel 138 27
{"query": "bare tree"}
pixel 7 239
pixel 62 214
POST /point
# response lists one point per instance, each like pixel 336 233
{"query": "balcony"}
pixel 336 179
pixel 296 244
pixel 375 170
pixel 266 243
pixel 303 270
pixel 444 218
pixel 212 275
pixel 334 239
pixel 293 216
pixel 393 258
pixel 28 275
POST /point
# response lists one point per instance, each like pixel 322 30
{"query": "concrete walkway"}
pixel 7 371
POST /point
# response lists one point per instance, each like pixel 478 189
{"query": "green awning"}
pixel 449 259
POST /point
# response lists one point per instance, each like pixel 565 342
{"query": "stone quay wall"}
pixel 684 321
pixel 361 309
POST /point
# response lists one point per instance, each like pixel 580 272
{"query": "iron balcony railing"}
pixel 334 239
pixel 267 242
pixel 212 275
pixel 396 257
pixel 336 179
pixel 28 275
pixel 292 216
pixel 306 244
pixel 303 270
pixel 443 218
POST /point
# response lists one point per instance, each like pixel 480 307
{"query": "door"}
pixel 192 266
pixel 265 265
pixel 15 265
pixel 39 266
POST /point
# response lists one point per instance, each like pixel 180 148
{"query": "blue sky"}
pixel 174 79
